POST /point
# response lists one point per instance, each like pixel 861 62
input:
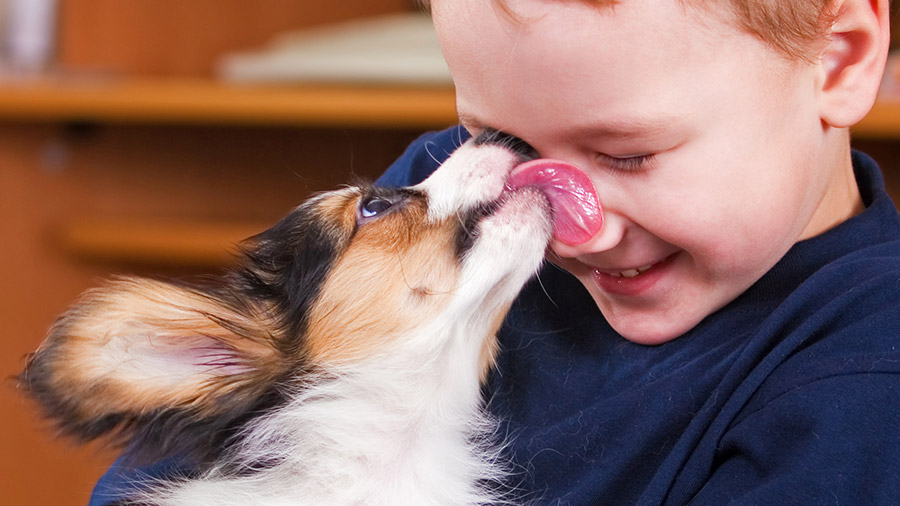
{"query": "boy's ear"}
pixel 138 351
pixel 852 62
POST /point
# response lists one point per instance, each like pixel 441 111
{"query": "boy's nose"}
pixel 608 237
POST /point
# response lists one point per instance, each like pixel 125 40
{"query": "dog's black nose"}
pixel 509 141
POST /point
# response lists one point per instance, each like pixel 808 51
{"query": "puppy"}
pixel 341 364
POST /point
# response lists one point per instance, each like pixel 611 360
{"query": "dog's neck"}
pixel 404 428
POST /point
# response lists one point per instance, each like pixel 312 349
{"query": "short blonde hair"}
pixel 796 28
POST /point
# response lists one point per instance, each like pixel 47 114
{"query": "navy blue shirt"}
pixel 788 395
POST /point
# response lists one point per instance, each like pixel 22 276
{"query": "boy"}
pixel 747 344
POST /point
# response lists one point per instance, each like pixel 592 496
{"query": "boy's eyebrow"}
pixel 632 127
pixel 613 129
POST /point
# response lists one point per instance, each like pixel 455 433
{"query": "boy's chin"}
pixel 652 329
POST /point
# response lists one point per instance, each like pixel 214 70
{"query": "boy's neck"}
pixel 841 200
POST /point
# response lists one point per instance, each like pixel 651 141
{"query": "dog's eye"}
pixel 374 206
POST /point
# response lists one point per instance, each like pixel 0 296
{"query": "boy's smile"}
pixel 705 146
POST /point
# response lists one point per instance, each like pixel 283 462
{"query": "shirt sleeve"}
pixel 831 441
pixel 123 477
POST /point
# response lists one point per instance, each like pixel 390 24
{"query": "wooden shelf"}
pixel 147 242
pixel 197 101
pixel 883 122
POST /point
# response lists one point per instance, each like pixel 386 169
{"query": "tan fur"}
pixel 400 247
pixel 339 208
pixel 491 347
pixel 131 319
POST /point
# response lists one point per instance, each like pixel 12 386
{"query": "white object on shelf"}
pixel 30 34
pixel 393 49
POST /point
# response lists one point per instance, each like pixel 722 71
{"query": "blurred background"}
pixel 148 136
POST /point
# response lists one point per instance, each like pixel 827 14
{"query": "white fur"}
pixel 471 176
pixel 405 427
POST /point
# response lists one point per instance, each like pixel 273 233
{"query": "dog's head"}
pixel 351 277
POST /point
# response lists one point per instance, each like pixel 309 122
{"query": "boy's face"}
pixel 736 171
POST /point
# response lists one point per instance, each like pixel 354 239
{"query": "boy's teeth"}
pixel 631 273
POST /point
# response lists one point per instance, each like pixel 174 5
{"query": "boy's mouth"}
pixel 634 271
pixel 633 281
pixel 630 273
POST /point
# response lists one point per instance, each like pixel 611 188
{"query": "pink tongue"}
pixel 577 215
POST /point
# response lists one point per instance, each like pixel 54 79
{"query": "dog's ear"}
pixel 151 360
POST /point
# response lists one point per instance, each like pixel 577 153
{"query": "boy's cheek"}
pixel 699 283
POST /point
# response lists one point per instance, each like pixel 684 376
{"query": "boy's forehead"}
pixel 796 29
pixel 518 16
pixel 519 10
pixel 619 73
pixel 624 18
pixel 570 41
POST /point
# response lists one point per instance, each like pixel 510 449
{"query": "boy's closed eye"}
pixel 632 163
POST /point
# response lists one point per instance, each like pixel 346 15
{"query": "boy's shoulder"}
pixel 841 333
pixel 857 282
pixel 855 301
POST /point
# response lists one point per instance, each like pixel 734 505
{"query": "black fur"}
pixel 467 234
pixel 287 264
pixel 201 440
pixel 500 138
